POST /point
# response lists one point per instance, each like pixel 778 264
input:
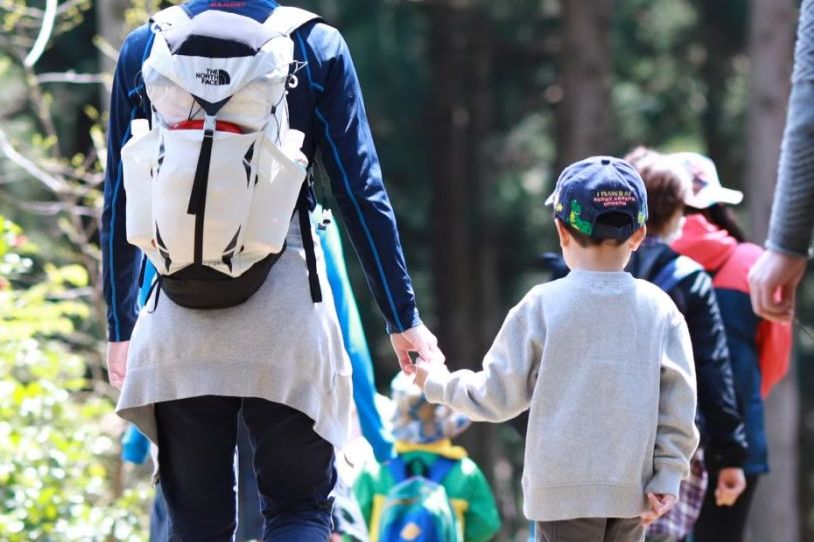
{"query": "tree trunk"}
pixel 584 115
pixel 464 256
pixel 775 512
pixel 723 40
pixel 771 45
pixel 110 27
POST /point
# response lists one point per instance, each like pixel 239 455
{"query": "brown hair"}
pixel 666 184
pixel 611 219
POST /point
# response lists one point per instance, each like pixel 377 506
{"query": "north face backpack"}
pixel 213 180
pixel 417 508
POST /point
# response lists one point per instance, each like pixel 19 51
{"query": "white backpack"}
pixel 213 180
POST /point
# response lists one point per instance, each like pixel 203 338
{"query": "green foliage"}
pixel 58 438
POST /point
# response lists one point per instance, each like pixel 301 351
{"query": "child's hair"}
pixel 666 184
pixel 609 219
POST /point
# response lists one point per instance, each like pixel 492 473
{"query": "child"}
pixel 605 363
pixel 423 435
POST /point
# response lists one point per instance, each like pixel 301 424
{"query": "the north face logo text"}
pixel 213 76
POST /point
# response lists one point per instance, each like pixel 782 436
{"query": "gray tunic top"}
pixel 278 346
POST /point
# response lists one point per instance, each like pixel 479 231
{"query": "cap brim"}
pixel 550 199
pixel 713 195
pixel 729 196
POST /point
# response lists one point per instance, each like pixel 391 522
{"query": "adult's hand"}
pixel 117 362
pixel 418 339
pixel 773 281
pixel 731 483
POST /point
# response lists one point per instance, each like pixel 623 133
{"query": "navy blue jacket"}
pixel 327 106
pixel 759 349
pixel 722 428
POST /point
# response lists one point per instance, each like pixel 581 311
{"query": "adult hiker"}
pixel 274 350
pixel 774 278
pixel 347 518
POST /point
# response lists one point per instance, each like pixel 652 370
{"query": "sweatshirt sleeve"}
pixel 503 389
pixel 676 436
pixel 792 216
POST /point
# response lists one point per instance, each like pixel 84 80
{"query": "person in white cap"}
pixel 759 349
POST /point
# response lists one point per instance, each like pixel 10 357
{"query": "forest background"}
pixel 475 105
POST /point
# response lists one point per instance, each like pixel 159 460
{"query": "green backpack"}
pixel 417 508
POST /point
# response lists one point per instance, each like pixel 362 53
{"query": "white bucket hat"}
pixel 706 186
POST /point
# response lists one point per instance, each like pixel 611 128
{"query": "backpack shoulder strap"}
pixel 169 17
pixel 287 19
pixel 440 468
pixel 674 272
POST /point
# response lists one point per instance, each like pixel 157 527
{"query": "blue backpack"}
pixel 417 508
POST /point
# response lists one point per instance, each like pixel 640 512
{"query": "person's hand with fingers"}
pixel 731 483
pixel 423 370
pixel 117 362
pixel 773 281
pixel 418 339
pixel 659 504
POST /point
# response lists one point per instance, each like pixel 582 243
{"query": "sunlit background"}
pixel 475 105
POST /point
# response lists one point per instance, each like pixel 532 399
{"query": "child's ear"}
pixel 562 233
pixel 637 238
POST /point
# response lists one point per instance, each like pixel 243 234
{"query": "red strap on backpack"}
pixel 220 126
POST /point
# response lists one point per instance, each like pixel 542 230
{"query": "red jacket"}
pixel 729 262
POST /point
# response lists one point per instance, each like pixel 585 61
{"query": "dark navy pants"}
pixel 294 468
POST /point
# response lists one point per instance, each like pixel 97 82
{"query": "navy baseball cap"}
pixel 598 185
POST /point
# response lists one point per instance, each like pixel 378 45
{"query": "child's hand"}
pixel 659 505
pixel 423 369
pixel 731 483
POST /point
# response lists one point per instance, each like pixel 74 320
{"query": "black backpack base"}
pixel 201 287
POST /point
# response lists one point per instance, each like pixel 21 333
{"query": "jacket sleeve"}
pixel 481 520
pixel 503 389
pixel 792 216
pixel 353 336
pixel 119 258
pixel 676 435
pixel 724 432
pixel 343 134
pixel 774 350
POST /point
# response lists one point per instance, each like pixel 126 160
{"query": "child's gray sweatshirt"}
pixel 605 362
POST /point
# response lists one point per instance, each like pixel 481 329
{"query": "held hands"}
pixel 659 505
pixel 117 362
pixel 773 280
pixel 731 483
pixel 417 339
pixel 423 369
